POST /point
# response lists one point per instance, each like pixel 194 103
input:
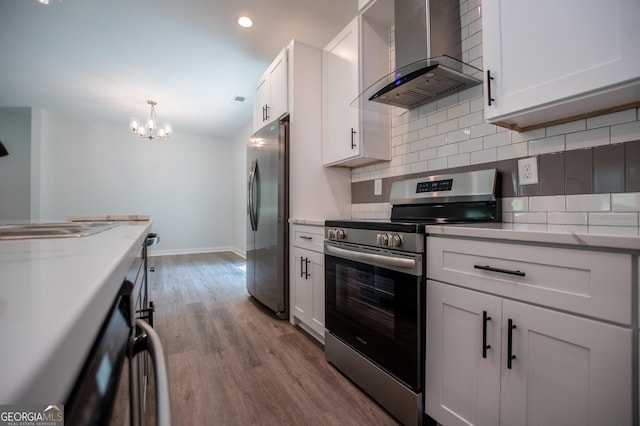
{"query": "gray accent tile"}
pixel 551 173
pixel 632 166
pixel 578 171
pixel 608 168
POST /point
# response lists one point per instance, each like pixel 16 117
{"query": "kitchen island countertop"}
pixel 54 296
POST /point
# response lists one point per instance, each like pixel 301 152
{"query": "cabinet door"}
pixel 317 277
pixel 546 51
pixel 340 74
pixel 567 370
pixel 462 387
pixel 260 100
pixel 302 293
pixel 277 104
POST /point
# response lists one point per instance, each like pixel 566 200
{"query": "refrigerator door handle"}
pixel 250 207
pixel 256 195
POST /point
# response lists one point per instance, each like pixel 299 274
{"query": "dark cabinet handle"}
pixel 353 144
pixel 489 78
pixel 304 268
pixel 510 355
pixel 304 237
pixel 502 271
pixel 485 318
pixel 266 112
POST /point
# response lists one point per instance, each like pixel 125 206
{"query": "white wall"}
pixel 240 190
pixel 183 182
pixel 15 179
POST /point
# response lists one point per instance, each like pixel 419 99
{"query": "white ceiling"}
pixel 100 60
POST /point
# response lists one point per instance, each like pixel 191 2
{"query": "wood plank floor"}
pixel 231 362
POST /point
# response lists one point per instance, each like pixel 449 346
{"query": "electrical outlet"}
pixel 528 171
pixel 377 187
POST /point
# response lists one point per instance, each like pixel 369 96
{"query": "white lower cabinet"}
pixel 306 279
pixel 523 334
pixel 565 369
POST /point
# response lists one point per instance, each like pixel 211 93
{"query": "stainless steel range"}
pixel 375 285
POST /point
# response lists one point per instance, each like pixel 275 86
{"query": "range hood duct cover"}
pixel 428 50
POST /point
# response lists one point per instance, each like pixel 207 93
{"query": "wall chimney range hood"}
pixel 428 50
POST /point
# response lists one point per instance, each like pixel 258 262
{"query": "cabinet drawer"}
pixel 592 283
pixel 308 236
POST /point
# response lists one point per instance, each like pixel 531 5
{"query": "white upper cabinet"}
pixel 555 61
pixel 355 134
pixel 270 97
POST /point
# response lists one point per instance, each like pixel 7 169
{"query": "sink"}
pixel 53 230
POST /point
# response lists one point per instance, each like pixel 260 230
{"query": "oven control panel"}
pixel 389 240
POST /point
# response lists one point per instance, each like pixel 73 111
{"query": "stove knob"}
pixel 395 240
pixel 382 239
pixel 331 233
pixel 340 234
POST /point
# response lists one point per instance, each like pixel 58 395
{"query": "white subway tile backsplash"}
pixel 588 203
pixel 588 138
pixel 418 145
pixel 613 219
pixel 625 202
pixel 554 203
pixel 428 108
pixel 547 145
pixel 436 141
pixel 428 132
pixel 497 139
pixel 448 126
pixel 562 218
pixel 611 119
pixel 484 156
pixel 507 217
pixel 471 119
pixel 571 127
pixel 429 154
pixel 527 136
pixel 448 150
pixel 458 136
pixel 470 145
pixel 477 105
pixel 458 110
pixel 458 160
pixel 627 132
pixel 515 204
pixel 483 130
pixel 417 124
pixel 436 117
pixel 512 151
pixel 437 164
pixel 529 218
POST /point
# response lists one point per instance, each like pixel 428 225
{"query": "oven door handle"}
pixel 385 260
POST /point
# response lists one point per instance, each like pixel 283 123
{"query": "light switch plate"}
pixel 377 187
pixel 528 171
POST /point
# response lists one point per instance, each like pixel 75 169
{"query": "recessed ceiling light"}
pixel 44 1
pixel 245 22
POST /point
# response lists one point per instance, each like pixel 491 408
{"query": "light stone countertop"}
pixel 605 237
pixel 313 222
pixel 54 296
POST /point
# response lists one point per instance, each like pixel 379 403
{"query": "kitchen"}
pixel 139 176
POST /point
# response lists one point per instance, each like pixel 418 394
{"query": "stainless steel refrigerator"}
pixel 268 215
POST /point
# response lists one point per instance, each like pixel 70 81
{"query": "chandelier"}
pixel 150 129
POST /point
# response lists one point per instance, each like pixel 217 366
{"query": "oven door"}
pixel 373 303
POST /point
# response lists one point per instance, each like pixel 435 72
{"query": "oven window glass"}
pixel 377 312
pixel 367 297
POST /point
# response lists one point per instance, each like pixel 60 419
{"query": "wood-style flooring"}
pixel 231 362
